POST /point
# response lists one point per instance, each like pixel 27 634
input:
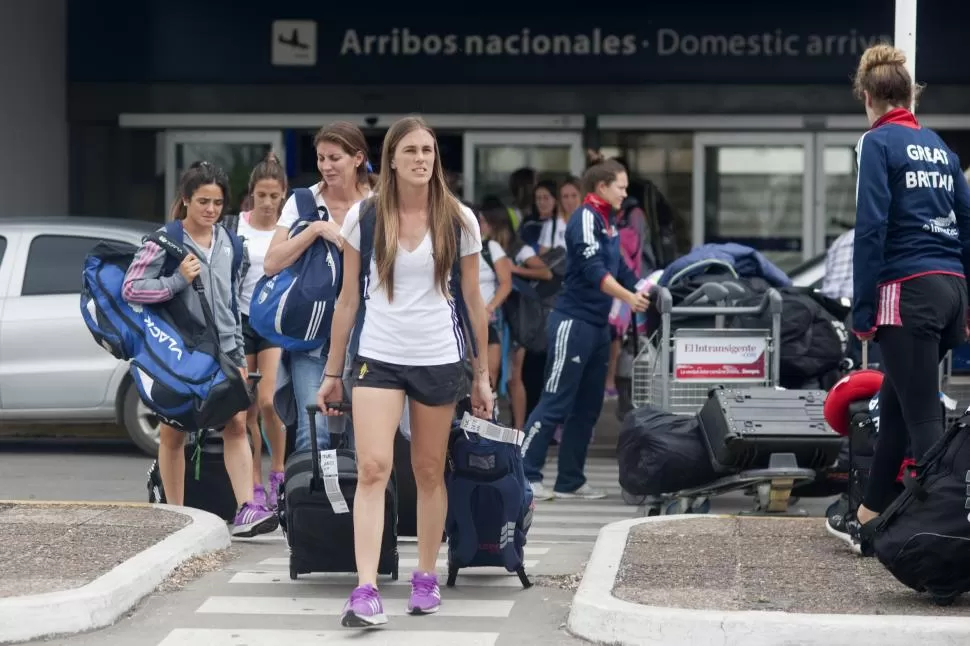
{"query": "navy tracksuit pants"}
pixel 577 356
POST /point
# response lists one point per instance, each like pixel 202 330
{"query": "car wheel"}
pixel 141 423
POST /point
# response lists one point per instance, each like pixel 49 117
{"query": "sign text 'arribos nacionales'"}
pixel 597 42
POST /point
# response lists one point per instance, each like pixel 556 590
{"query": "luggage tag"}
pixel 490 430
pixel 331 483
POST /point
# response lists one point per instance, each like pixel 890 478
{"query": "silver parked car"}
pixel 51 368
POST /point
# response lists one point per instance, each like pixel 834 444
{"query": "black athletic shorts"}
pixel 933 306
pixel 493 336
pixel 254 343
pixel 430 385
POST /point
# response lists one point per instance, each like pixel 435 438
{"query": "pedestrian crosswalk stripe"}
pixel 252 637
pixel 465 577
pixel 561 506
pixel 403 563
pixel 334 606
pixel 556 530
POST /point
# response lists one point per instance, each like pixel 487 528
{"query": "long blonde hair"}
pixel 444 211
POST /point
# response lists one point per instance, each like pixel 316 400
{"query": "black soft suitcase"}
pixel 207 485
pixel 407 489
pixel 743 427
pixel 319 532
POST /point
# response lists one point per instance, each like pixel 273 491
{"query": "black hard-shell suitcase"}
pixel 319 531
pixel 743 427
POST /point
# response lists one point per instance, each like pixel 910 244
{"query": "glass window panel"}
pixel 753 195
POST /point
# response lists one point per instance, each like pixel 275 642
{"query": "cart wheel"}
pixel 632 499
pixel 672 508
pixel 762 496
pixel 701 506
pixel 653 510
pixel 293 573
pixel 944 600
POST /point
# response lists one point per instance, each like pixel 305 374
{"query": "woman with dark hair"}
pixel 412 343
pixel 203 191
pixel 257 226
pixel 345 180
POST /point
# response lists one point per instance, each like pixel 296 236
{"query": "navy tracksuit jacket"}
pixel 578 346
pixel 912 214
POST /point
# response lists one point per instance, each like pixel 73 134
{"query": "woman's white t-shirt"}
pixel 546 237
pixel 257 244
pixel 420 327
pixel 487 280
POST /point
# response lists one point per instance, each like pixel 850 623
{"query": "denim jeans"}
pixel 306 372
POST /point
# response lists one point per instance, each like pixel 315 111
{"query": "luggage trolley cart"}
pixel 677 369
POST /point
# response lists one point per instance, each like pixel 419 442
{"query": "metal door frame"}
pixel 823 140
pixel 174 137
pixel 474 138
pixel 704 140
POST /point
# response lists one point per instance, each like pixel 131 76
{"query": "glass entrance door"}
pixel 236 152
pixel 835 183
pixel 491 157
pixel 755 189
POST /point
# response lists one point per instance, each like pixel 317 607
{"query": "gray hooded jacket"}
pixel 145 284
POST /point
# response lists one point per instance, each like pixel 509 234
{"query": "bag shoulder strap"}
pixel 174 234
pixel 487 255
pixel 306 206
pixel 239 256
pixel 231 222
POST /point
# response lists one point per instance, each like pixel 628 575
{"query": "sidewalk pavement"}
pixel 72 567
pixel 751 581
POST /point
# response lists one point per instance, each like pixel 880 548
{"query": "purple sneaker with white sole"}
pixel 364 609
pixel 275 482
pixel 253 520
pixel 425 594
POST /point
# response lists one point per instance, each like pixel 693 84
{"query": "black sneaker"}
pixel 841 523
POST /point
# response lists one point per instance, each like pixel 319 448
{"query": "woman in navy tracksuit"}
pixel 579 336
pixel 911 256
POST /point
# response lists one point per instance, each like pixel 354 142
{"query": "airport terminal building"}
pixel 743 119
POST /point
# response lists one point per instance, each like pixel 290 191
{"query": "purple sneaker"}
pixel 425 595
pixel 364 609
pixel 253 520
pixel 259 495
pixel 275 482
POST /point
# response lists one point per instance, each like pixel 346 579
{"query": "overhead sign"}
pixel 294 42
pixel 701 41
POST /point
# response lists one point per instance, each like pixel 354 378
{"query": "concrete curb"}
pixel 598 616
pixel 104 600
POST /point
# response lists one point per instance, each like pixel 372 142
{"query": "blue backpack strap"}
pixel 238 255
pixel 175 232
pixel 366 222
pixel 306 206
pixel 456 293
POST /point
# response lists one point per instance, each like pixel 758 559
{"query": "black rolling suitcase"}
pixel 744 427
pixel 207 486
pixel 316 509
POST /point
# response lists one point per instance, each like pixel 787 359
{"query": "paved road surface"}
pixel 253 602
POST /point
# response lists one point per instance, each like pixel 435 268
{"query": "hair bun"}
pixel 272 157
pixel 881 55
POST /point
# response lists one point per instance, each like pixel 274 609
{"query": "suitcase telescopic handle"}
pixel 865 355
pixel 771 301
pixel 311 412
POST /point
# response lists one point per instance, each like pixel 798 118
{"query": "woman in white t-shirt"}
pixel 412 343
pixel 495 281
pixel 267 187
pixel 342 161
pixel 527 265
